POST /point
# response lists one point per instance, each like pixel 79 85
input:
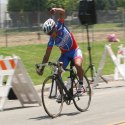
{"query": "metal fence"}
pixel 21 28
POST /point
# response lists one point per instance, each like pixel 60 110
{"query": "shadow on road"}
pixel 15 108
pixel 70 114
pixel 62 114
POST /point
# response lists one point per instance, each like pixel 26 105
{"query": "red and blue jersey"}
pixel 64 39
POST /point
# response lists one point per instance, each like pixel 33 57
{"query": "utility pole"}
pixel 0 13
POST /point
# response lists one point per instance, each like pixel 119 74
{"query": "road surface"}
pixel 107 108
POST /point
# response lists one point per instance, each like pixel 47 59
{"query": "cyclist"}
pixel 64 39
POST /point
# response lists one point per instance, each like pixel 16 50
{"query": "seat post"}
pixel 71 67
pixel 71 64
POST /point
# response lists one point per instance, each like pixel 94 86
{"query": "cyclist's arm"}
pixel 46 56
pixel 61 12
pixel 45 60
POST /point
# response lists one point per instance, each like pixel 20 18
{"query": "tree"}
pixel 121 3
pixel 106 4
pixel 27 5
pixel 69 5
pixel 26 12
pixel 34 7
pixel 14 5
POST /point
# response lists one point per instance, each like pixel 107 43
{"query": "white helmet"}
pixel 48 25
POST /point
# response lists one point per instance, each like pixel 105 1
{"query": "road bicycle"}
pixel 54 86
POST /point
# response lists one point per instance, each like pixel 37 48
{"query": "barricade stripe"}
pixel 13 65
pixel 7 63
pixel 2 65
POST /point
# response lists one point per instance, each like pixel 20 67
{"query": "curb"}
pixel 109 78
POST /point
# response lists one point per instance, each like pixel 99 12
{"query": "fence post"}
pixel 6 36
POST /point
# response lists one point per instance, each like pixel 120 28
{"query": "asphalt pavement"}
pixel 107 108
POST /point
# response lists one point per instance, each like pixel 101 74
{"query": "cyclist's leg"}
pixel 64 58
pixel 78 60
pixel 78 64
pixel 81 102
pixel 75 55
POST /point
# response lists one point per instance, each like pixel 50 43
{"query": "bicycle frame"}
pixel 68 93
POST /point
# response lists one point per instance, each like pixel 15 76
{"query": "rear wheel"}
pixel 51 89
pixel 82 101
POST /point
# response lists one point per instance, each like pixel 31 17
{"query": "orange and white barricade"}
pixel 13 75
pixel 121 63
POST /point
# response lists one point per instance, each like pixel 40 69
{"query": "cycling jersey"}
pixel 67 44
pixel 64 40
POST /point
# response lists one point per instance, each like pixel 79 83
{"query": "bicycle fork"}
pixel 53 88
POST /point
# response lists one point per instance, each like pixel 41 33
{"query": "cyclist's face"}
pixel 54 33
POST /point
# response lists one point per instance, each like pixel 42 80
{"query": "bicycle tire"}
pixel 49 98
pixel 82 102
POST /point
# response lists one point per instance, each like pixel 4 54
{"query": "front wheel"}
pixel 82 102
pixel 51 89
